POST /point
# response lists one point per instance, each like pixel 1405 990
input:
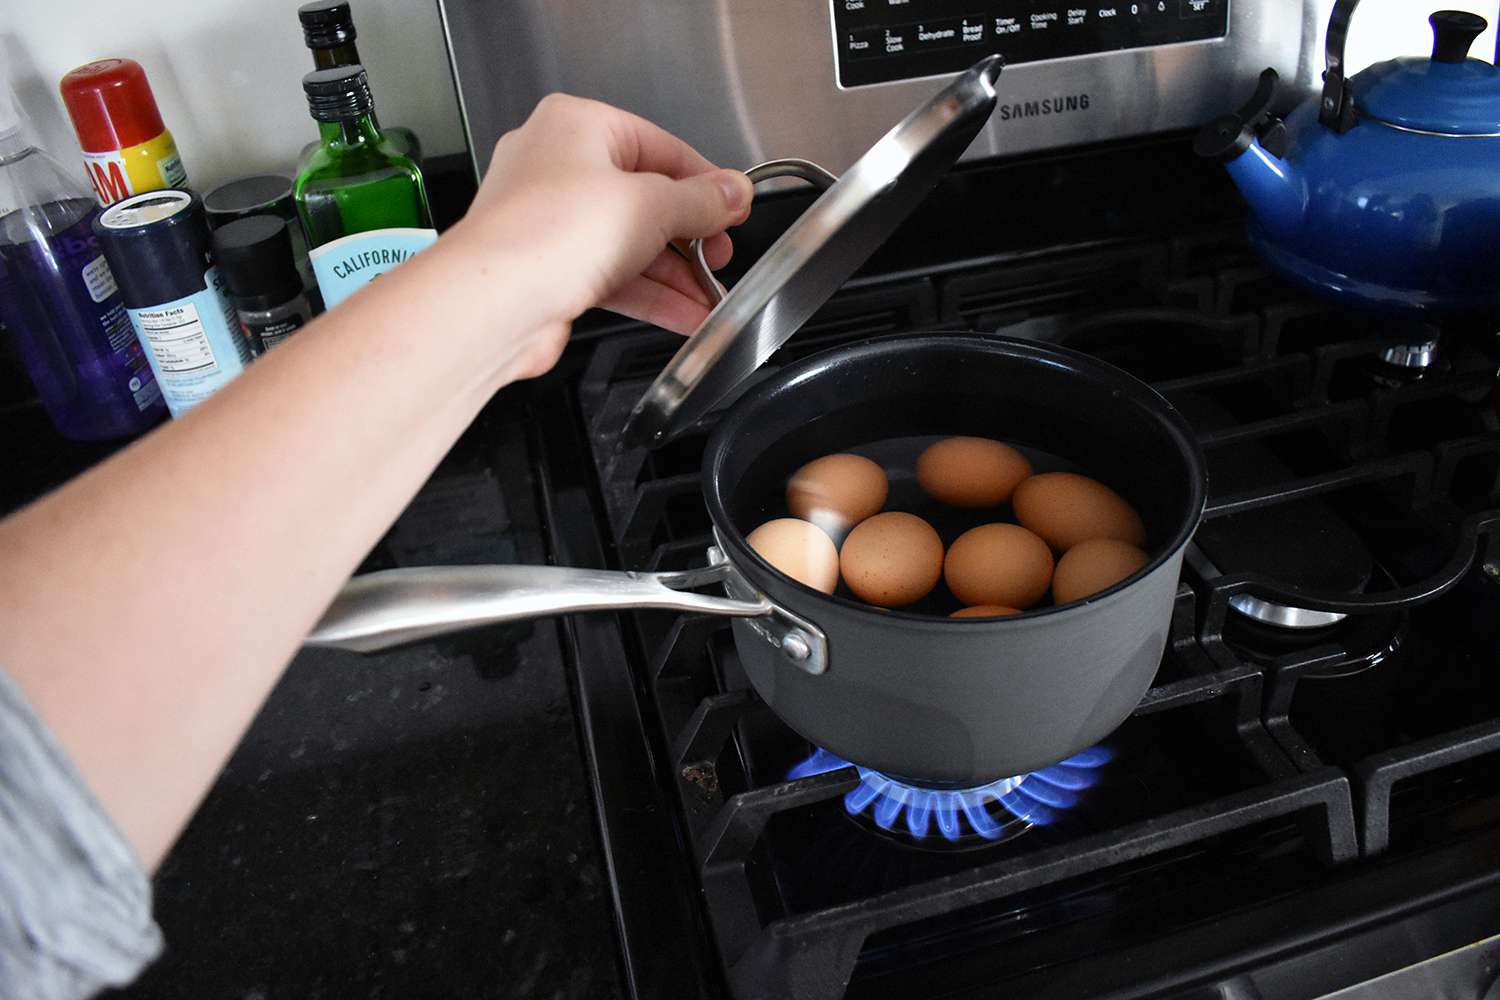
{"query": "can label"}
pixel 347 264
pixel 116 174
pixel 264 336
pixel 194 344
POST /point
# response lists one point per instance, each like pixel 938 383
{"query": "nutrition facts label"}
pixel 178 340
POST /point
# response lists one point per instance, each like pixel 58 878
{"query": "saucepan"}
pixel 934 701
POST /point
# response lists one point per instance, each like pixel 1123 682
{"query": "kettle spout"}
pixel 1252 145
pixel 1271 189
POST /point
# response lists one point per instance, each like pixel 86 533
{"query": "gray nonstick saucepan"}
pixel 934 701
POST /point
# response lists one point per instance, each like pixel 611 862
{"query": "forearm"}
pixel 150 605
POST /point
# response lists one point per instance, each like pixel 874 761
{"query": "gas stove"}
pixel 1304 800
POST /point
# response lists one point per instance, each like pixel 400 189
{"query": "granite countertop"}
pixel 416 823
pixel 405 825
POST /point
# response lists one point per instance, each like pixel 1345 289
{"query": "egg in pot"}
pixel 998 564
pixel 971 471
pixel 1092 566
pixel 985 611
pixel 892 559
pixel 836 492
pixel 800 549
pixel 1065 508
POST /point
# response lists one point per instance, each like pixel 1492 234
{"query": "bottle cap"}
pixel 12 120
pixel 261 194
pixel 111 105
pixel 254 254
pixel 338 94
pixel 326 23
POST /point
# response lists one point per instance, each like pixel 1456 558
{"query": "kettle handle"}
pixel 1453 32
pixel 1336 110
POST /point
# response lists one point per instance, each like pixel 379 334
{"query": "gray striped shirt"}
pixel 75 906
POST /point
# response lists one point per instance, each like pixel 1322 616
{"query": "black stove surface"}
pixel 1285 814
pixel 1285 786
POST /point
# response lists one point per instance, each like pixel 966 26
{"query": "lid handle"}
pixel 788 167
pixel 1453 31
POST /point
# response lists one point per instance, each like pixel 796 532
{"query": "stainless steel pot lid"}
pixel 816 255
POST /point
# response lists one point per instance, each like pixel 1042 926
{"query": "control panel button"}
pixel 1198 8
pixel 1041 20
pixel 937 34
pixel 860 44
pixel 1075 16
pixel 1007 26
pixel 928 35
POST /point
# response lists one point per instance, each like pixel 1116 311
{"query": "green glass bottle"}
pixel 361 201
pixel 328 30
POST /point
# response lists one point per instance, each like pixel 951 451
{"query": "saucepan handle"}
pixel 392 607
pixel 789 167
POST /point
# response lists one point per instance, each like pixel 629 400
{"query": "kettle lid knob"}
pixel 1453 31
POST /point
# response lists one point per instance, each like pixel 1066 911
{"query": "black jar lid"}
pixel 254 254
pixel 339 93
pixel 326 23
pixel 261 194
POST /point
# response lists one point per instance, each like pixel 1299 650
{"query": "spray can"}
pixel 126 148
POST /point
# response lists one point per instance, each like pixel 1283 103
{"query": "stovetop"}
pixel 1284 815
pixel 1280 785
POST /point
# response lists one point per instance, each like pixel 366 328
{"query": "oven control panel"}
pixel 877 41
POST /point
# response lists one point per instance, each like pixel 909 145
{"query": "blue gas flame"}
pixel 1036 799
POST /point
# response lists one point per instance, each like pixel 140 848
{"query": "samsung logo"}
pixel 1045 106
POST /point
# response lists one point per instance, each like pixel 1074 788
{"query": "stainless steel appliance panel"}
pixel 749 80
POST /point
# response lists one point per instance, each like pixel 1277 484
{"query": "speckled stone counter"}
pixel 412 824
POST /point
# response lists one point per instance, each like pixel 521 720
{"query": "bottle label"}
pixel 117 174
pixel 64 315
pixel 194 342
pixel 99 280
pixel 265 336
pixel 349 263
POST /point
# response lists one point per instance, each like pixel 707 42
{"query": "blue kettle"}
pixel 1384 193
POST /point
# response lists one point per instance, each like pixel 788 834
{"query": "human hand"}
pixel 587 197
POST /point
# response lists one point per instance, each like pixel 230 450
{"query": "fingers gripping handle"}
pixel 790 167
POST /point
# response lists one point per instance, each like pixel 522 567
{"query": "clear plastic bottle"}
pixel 58 299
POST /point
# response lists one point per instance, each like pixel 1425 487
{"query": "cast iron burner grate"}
pixel 1334 486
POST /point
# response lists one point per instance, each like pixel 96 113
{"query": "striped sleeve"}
pixel 75 905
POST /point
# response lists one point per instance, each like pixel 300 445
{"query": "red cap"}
pixel 111 105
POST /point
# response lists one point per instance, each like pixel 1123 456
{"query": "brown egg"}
pixel 801 550
pixel 971 471
pixel 1066 508
pixel 984 611
pixel 892 559
pixel 836 492
pixel 1092 566
pixel 998 564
